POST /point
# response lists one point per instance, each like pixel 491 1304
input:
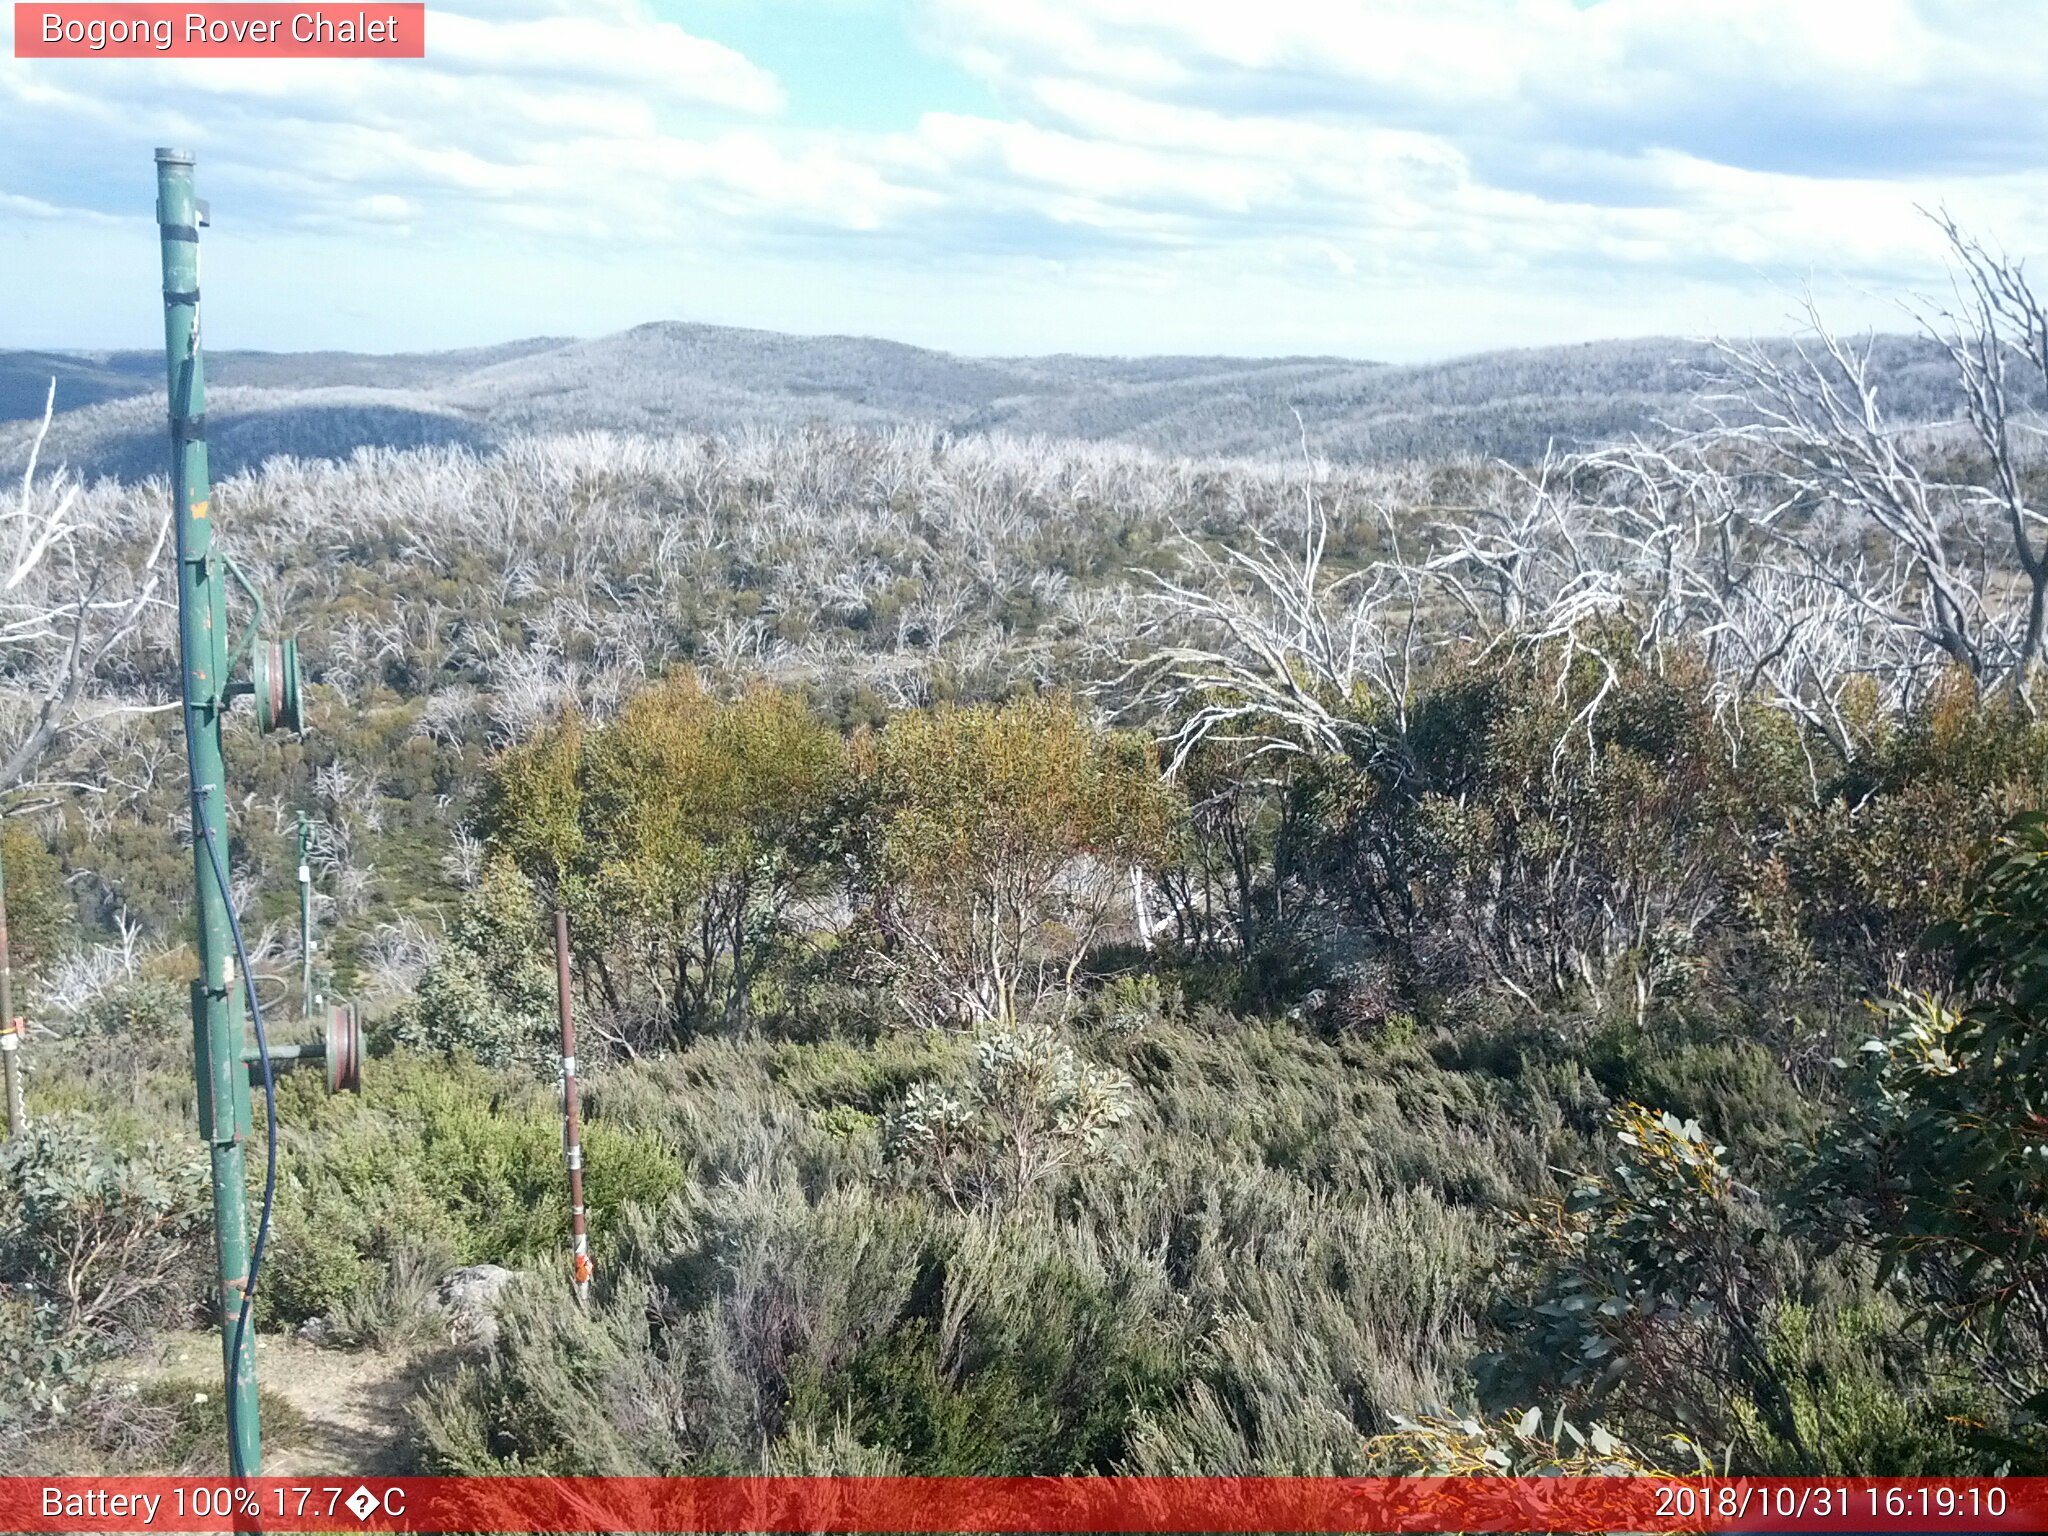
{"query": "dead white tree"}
pixel 1960 569
pixel 1996 328
pixel 1263 648
pixel 1839 465
pixel 1700 564
pixel 72 595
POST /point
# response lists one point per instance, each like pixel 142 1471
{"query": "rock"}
pixel 313 1330
pixel 470 1297
pixel 476 1288
pixel 1309 1007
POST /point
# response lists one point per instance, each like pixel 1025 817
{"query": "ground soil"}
pixel 354 1403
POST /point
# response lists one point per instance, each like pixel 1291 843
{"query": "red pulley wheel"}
pixel 344 1049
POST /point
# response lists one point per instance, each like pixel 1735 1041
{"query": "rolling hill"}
pixel 673 377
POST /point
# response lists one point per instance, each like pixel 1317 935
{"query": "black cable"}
pixel 180 404
pixel 202 830
pixel 269 1135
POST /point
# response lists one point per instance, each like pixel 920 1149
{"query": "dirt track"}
pixel 354 1403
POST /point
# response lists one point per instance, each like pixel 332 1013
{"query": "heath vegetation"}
pixel 1096 961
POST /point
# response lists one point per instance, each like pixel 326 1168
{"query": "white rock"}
pixel 470 1297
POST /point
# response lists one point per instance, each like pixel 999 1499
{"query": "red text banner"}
pixel 217 31
pixel 1053 1504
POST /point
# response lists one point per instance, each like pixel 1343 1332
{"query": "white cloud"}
pixel 627 53
pixel 1748 133
pixel 1383 166
pixel 553 117
pixel 1613 62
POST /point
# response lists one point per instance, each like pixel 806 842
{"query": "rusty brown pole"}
pixel 572 1121
pixel 12 1033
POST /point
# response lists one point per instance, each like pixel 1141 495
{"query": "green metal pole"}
pixel 305 919
pixel 224 1122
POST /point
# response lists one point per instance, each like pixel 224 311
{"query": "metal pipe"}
pixel 311 1051
pixel 572 1123
pixel 224 1117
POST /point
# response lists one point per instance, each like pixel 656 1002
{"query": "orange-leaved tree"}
pixel 991 845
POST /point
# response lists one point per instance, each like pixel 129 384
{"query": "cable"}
pixel 269 1136
pixel 181 401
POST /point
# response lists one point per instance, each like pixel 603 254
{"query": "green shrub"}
pixel 397 1311
pixel 1892 850
pixel 444 1157
pixel 137 1009
pixel 103 1235
pixel 1126 1005
pixel 1733 1085
pixel 1861 1397
pixel 43 1363
pixel 1938 1163
pixel 1031 1108
pixel 892 1334
pixel 1571 837
pixel 319 1258
pixel 677 835
pixel 1650 1285
pixel 41 918
pixel 991 844
pixel 490 989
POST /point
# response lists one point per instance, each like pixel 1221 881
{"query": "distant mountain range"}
pixel 674 377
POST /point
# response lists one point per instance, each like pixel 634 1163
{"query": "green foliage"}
pixel 1053 1389
pixel 987 847
pixel 489 990
pixel 1127 1004
pixel 440 1157
pixel 1546 828
pixel 1864 875
pixel 679 835
pixel 100 1234
pixel 42 1362
pixel 1030 1109
pixel 98 1241
pixel 40 913
pixel 1662 1297
pixel 531 805
pixel 844 1122
pixel 317 1261
pixel 1222 872
pixel 136 1009
pixel 1941 1162
pixel 1734 1085
pixel 1273 1263
pixel 395 1310
pixel 992 842
pixel 1651 1284
pixel 945 1347
pixel 1628 845
pixel 1857 1394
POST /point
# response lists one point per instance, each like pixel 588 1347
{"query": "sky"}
pixel 1398 179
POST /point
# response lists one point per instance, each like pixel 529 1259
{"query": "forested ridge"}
pixel 673 377
pixel 1088 960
